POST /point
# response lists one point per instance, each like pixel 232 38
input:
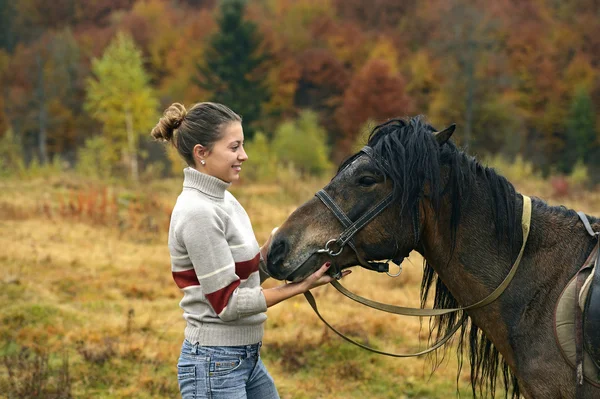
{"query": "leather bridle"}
pixel 351 228
pixel 346 238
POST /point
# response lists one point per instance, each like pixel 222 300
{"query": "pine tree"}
pixel 120 97
pixel 7 35
pixel 233 70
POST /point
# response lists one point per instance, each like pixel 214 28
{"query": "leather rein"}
pixel 334 247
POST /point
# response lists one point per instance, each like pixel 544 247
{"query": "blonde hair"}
pixel 202 124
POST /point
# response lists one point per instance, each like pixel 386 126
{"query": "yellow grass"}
pixel 99 290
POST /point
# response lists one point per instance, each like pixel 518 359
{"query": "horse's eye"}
pixel 367 181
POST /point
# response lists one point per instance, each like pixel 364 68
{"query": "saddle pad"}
pixel 564 332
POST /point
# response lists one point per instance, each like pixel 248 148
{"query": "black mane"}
pixel 413 160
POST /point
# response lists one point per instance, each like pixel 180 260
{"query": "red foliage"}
pixel 373 93
pixel 376 14
pixel 99 12
pixel 560 186
pixel 323 79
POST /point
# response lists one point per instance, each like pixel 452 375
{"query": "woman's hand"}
pixel 283 292
pixel 319 278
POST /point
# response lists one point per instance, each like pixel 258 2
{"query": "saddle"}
pixel 565 333
pixel 589 300
pixel 577 318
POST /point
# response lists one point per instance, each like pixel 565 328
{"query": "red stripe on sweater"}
pixel 246 268
pixel 219 299
pixel 185 278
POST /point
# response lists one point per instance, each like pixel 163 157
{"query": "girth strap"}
pixel 587 225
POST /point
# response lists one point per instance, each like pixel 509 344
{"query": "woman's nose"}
pixel 243 156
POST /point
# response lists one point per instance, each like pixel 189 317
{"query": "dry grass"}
pixel 86 277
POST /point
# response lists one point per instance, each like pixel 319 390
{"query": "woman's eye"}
pixel 367 181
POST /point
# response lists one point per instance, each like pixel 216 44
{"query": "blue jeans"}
pixel 223 372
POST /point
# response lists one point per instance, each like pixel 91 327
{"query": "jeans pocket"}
pixel 186 377
pixel 219 365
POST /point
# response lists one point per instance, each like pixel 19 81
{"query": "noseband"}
pixel 334 247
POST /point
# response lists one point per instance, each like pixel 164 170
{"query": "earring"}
pixel 203 162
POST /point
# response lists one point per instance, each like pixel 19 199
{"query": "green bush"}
pixel 94 158
pixel 302 144
pixel 11 159
pixel 517 170
pixel 262 160
pixel 579 176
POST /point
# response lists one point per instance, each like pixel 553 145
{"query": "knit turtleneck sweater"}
pixel 215 262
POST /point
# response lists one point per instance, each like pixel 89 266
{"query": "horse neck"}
pixel 478 260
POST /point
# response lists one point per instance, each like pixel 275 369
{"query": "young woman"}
pixel 216 261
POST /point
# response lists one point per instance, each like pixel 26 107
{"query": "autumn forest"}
pixel 517 77
pixel 88 307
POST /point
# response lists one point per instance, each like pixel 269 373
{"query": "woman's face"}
pixel 224 160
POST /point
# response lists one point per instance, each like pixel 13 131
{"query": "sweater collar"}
pixel 205 183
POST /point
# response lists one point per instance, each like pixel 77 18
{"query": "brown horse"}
pixel 465 219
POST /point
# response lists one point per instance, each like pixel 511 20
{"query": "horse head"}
pixel 390 167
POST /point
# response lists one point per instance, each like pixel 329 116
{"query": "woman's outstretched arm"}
pixel 277 294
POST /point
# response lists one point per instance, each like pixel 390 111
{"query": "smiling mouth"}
pixel 237 167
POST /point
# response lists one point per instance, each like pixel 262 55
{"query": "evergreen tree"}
pixel 120 97
pixel 7 15
pixel 580 131
pixel 233 70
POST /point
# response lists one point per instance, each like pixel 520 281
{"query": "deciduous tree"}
pixel 120 97
pixel 375 92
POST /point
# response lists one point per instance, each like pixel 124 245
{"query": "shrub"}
pixel 29 375
pixel 517 170
pixel 302 143
pixel 94 158
pixel 11 160
pixel 262 160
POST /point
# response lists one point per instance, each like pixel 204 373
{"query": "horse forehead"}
pixel 355 165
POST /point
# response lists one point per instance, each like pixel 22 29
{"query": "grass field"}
pixel 88 308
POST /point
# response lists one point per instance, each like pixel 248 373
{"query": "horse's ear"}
pixel 443 136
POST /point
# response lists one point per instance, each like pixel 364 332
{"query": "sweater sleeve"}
pixel 203 235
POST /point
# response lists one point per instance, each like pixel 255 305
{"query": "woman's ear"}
pixel 200 152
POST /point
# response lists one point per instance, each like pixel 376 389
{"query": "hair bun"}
pixel 172 118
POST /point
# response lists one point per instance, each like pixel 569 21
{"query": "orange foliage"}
pixel 346 59
pixel 344 39
pixel 375 92
pixel 376 14
pixel 323 80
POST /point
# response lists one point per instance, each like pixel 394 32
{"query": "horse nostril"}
pixel 277 252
